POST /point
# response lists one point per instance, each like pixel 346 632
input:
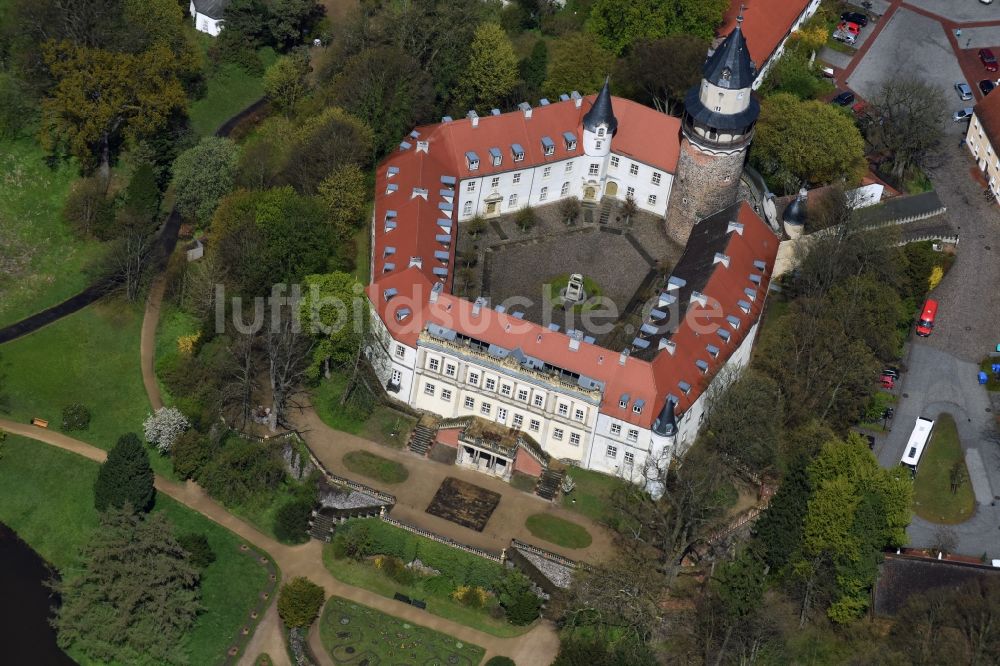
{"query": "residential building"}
pixel 983 140
pixel 208 15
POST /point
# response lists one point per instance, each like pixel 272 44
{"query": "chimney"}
pixel 525 108
pixel 623 357
pixel 474 117
pixel 436 291
pixel 577 99
pixel 574 340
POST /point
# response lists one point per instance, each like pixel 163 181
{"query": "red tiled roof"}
pixel 647 381
pixel 987 110
pixel 643 134
pixel 765 24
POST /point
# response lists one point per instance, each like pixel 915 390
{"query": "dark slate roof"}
pixel 901 577
pixel 795 213
pixel 730 65
pixel 601 112
pixel 666 423
pixel 721 121
pixel 211 8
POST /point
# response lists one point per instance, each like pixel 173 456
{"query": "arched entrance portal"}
pixel 590 193
pixel 493 204
pixel 611 189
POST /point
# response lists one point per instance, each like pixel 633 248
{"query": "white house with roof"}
pixel 208 15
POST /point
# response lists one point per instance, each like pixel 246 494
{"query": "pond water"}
pixel 25 606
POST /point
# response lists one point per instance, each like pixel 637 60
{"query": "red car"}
pixel 848 26
pixel 988 59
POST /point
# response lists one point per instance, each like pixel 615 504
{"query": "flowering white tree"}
pixel 163 427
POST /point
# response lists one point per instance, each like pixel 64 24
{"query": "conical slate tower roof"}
pixel 795 213
pixel 666 423
pixel 601 112
pixel 730 65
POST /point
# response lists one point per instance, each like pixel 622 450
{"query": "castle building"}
pixel 615 411
pixel 208 15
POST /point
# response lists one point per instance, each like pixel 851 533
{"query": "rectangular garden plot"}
pixel 463 503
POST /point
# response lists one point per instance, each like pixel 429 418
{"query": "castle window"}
pixel 517 151
pixel 495 182
pixel 726 74
pixel 546 172
pixel 565 190
pixel 633 435
pixel 614 161
pixel 612 451
pixel 594 169
pixel 657 176
pixel 634 169
pixel 616 428
pixel 569 166
pixel 600 132
pixel 574 439
pixel 471 186
pixel 518 421
pixel 597 144
pixel 629 458
pixel 630 193
pixel 496 157
pixel 543 194
pixel 651 200
pixel 570 140
pixel 470 402
pixel 512 201
pixel 557 434
pixel 517 178
pixel 548 145
pixel 467 209
pixel 472 160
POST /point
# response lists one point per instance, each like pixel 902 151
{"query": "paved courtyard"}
pixel 909 45
pixel 959 11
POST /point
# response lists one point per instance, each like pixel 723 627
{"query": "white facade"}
pixel 392 360
pixel 987 158
pixel 588 178
pixel 205 23
pixel 780 50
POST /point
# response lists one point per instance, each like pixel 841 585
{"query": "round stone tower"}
pixel 718 122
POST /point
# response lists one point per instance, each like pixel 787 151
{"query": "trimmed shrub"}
pixel 394 568
pixel 471 596
pixel 126 477
pixel 191 453
pixel 299 602
pixel 291 522
pixel 75 417
pixel 501 661
pixel 198 548
pixel 523 608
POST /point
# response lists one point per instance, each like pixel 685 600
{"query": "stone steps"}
pixel 549 484
pixel 321 527
pixel 421 439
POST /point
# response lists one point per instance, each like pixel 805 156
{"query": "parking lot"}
pixel 909 45
pixel 959 11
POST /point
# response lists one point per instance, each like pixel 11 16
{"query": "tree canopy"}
pixel 203 175
pixel 126 477
pixel 577 62
pixel 492 70
pixel 618 25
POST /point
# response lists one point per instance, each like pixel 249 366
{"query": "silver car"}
pixel 963 90
pixel 962 114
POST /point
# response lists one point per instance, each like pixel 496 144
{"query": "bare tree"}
pixel 126 263
pixel 945 541
pixel 288 350
pixel 908 122
pixel 241 381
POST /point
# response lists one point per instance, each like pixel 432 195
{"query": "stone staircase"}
pixel 605 212
pixel 422 436
pixel 549 484
pixel 321 527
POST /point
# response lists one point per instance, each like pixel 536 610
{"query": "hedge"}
pixel 461 567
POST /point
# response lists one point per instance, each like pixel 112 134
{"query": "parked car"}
pixel 962 114
pixel 847 32
pixel 986 86
pixel 855 17
pixel 988 59
pixel 963 90
pixel 890 372
pixel 887 382
pixel 845 98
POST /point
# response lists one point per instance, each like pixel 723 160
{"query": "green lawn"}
pixel 352 633
pixel 229 90
pixel 41 262
pixel 91 357
pixel 46 496
pixel 364 575
pixel 261 509
pixel 592 494
pixel 932 496
pixel 375 467
pixel 384 424
pixel 173 323
pixel 558 531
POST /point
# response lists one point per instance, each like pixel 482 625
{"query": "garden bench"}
pixel 41 423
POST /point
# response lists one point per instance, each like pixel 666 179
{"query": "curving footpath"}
pixel 537 647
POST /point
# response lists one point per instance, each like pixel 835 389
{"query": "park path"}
pixel 147 342
pixel 538 647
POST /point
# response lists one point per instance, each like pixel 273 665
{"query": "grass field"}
pixel 173 324
pixel 592 494
pixel 385 425
pixel 932 496
pixel 364 575
pixel 353 634
pixel 41 262
pixel 46 496
pixel 375 467
pixel 229 90
pixel 558 531
pixel 91 357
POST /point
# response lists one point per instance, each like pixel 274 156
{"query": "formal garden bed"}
pixel 464 503
pixel 460 586
pixel 356 634
pixel 375 467
pixel 942 492
pixel 48 500
pixel 558 531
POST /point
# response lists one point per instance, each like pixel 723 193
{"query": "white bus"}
pixel 918 440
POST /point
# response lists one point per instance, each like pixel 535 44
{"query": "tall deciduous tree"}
pixel 101 98
pixel 909 116
pixel 619 25
pixel 386 88
pixel 286 82
pixel 203 175
pixel 492 70
pixel 332 311
pixel 126 477
pixel 744 420
pixel 664 87
pixel 806 142
pixel 135 597
pixel 326 141
pixel 578 63
pixel 345 199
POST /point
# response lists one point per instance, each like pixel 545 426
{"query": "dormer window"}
pixel 496 157
pixel 570 140
pixel 601 131
pixel 726 73
pixel 548 146
pixel 472 160
pixel 517 152
pixel 623 401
